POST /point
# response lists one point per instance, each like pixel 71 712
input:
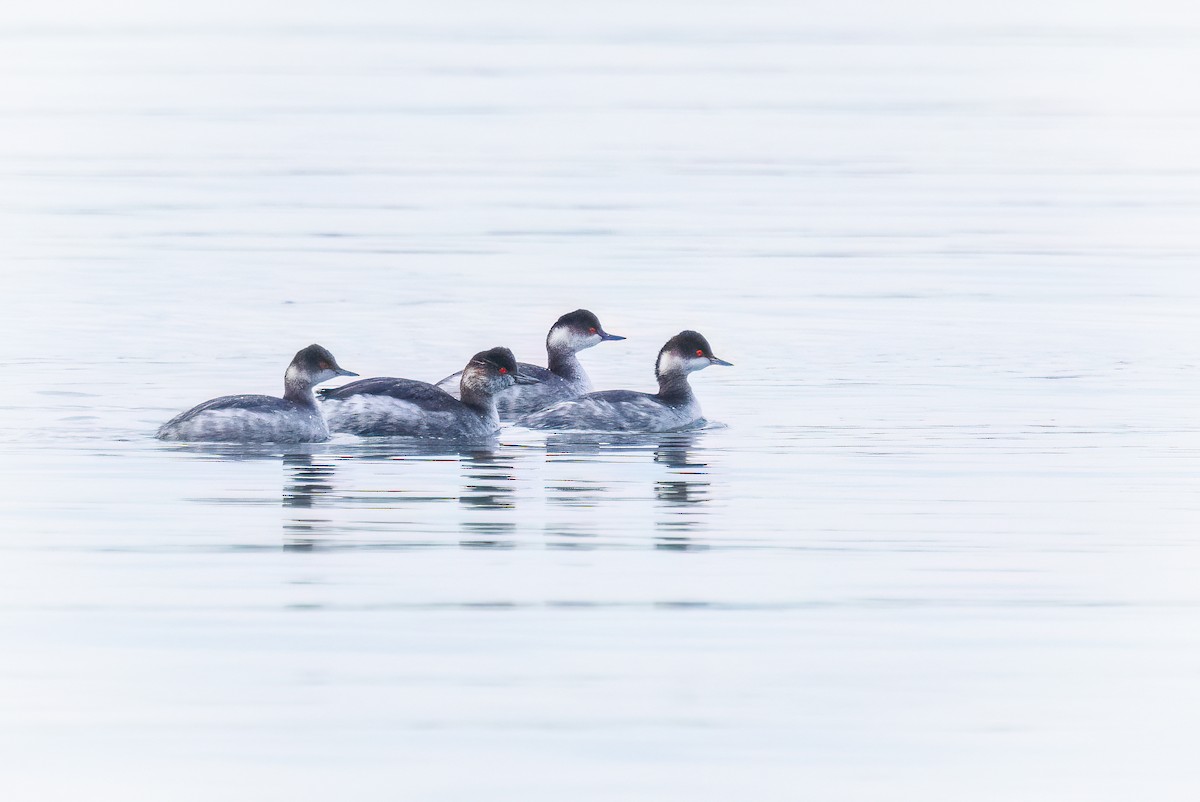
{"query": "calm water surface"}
pixel 941 544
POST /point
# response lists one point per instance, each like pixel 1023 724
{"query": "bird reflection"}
pixel 307 478
pixel 680 489
pixel 304 480
pixel 679 494
pixel 600 491
pixel 489 499
pixel 305 483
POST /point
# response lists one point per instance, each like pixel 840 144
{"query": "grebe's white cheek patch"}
pixel 670 362
pixel 294 374
pixel 560 338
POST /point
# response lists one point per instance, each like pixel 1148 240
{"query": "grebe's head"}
pixel 576 331
pixel 313 365
pixel 493 371
pixel 686 352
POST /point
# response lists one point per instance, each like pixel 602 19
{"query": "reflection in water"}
pixel 489 499
pixel 679 494
pixel 305 482
pixel 487 487
pixel 307 478
pixel 377 503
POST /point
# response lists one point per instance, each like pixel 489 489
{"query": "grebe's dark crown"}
pixel 315 359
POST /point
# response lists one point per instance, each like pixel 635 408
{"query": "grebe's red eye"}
pixel 324 366
pixel 699 352
pixel 504 370
pixel 592 330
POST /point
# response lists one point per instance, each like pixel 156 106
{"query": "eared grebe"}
pixel 565 377
pixel 672 407
pixel 294 418
pixel 409 408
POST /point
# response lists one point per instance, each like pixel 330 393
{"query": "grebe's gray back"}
pixel 294 418
pixel 408 408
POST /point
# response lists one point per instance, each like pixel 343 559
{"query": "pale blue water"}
pixel 942 546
